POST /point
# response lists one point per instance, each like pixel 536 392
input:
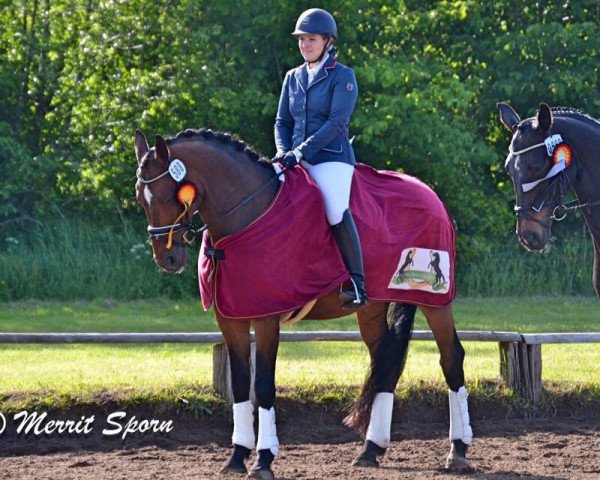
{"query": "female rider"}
pixel 311 128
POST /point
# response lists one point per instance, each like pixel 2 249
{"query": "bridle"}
pixel 155 233
pixel 177 172
pixel 558 170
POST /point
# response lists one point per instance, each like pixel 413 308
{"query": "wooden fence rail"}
pixel 313 336
pixel 520 354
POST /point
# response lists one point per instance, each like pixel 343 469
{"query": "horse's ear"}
pixel 509 118
pixel 162 151
pixel 141 145
pixel 544 117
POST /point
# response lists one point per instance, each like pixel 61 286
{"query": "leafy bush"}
pixel 429 73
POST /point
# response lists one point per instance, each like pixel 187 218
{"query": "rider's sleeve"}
pixel 284 122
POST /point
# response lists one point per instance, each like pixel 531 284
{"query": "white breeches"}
pixel 334 179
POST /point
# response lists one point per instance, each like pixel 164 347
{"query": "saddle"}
pixel 288 256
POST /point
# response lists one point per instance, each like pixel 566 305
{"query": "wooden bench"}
pixel 520 354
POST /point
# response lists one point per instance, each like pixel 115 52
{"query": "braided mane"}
pixel 574 113
pixel 209 135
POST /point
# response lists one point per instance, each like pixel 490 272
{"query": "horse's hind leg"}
pixel 267 344
pixel 452 355
pixel 237 341
pixel 371 414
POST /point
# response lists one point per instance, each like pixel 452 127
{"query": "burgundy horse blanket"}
pixel 288 256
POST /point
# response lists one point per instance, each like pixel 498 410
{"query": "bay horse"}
pixel 549 154
pixel 230 185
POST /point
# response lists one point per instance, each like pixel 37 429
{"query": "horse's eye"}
pixel 536 164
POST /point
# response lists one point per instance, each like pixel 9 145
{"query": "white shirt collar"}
pixel 312 72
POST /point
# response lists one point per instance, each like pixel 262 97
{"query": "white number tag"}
pixel 177 170
pixel 552 142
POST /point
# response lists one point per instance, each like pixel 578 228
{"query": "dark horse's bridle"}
pixel 554 192
pixel 546 196
pixel 156 232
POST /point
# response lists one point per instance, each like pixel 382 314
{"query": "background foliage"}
pixel 77 78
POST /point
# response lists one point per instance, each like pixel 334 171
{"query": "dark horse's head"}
pixel 169 202
pixel 539 163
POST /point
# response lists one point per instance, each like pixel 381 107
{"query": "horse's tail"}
pixel 386 365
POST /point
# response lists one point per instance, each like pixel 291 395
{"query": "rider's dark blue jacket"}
pixel 314 117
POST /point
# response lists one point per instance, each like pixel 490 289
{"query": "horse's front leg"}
pixel 452 355
pixel 237 341
pixel 267 344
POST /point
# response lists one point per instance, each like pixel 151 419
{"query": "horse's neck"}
pixel 592 219
pixel 593 223
pixel 585 141
pixel 226 179
pixel 584 138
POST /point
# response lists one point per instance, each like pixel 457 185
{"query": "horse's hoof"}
pixel 457 460
pixel 363 461
pixel 226 470
pixel 261 474
pixel 368 457
pixel 458 464
pixel 262 467
pixel 233 468
pixel 235 463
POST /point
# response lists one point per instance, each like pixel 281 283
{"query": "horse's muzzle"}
pixel 532 241
pixel 172 260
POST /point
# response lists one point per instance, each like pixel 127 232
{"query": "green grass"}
pixel 565 268
pixel 77 259
pixel 66 374
pixel 105 316
pixel 536 314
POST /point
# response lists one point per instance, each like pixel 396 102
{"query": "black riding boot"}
pixel 346 237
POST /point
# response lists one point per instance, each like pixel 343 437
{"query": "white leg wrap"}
pixel 243 425
pixel 460 426
pixel 267 431
pixel 380 423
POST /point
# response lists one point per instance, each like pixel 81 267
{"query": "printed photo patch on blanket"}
pixel 422 269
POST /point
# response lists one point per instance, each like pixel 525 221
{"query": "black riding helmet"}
pixel 316 21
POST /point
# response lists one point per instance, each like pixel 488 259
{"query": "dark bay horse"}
pixel 549 154
pixel 229 185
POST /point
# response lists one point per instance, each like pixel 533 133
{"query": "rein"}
pixel 156 232
pixel 564 209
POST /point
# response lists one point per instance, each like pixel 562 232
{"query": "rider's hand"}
pixel 289 160
pixel 278 157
